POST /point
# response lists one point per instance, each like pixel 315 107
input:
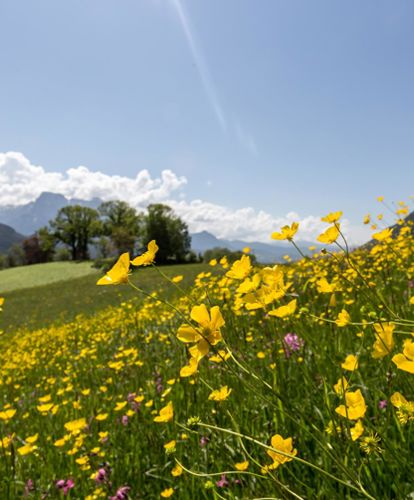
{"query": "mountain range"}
pixel 26 219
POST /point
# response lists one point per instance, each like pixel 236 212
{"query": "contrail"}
pixel 201 64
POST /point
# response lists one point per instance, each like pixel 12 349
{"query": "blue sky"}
pixel 276 105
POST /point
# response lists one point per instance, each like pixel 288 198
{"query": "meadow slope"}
pixel 292 381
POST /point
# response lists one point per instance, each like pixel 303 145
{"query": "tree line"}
pixel 113 228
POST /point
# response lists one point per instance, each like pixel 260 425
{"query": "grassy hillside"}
pixel 21 277
pixel 47 293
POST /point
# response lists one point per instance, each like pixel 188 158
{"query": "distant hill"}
pixel 265 252
pixel 8 237
pixel 29 218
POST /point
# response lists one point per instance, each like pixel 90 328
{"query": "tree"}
pixel 34 252
pixel 121 223
pixel 76 226
pixel 170 233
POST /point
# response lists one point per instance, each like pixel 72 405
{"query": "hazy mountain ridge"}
pixel 27 219
pixel 8 237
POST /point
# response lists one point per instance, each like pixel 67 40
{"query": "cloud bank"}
pixel 22 182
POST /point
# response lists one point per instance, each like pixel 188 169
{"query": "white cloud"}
pixel 254 225
pixel 22 182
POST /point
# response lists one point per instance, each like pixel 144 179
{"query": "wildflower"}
pixel 204 440
pixel 288 232
pixel 332 217
pixel 405 361
pixel 124 420
pixel 242 466
pixel 382 404
pixel 76 425
pixel 284 445
pixel 284 311
pixel 177 470
pixel 166 414
pixel 1 303
pixel 292 343
pixel 29 487
pixel 330 235
pixel 357 431
pixel 170 446
pixel 148 257
pixel 370 444
pixel 167 492
pixel 350 363
pixel 385 342
pixel 354 407
pixel 341 386
pixel 383 235
pixel 177 279
pixel 343 318
pixel 7 414
pixel 220 394
pixel 405 408
pixel 240 268
pixel 206 335
pixel 26 449
pixel 100 476
pixel 119 272
pixel 121 493
pixel 65 486
pixel 222 483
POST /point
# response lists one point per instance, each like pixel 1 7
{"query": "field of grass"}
pixel 53 298
pixel 290 382
pixel 17 278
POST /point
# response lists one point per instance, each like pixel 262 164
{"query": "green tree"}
pixel 170 232
pixel 76 226
pixel 121 223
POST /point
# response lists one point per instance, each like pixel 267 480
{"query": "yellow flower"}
pixel 383 235
pixel 220 356
pixel 284 445
pixel 1 303
pixel 120 405
pixel 354 407
pixel 177 279
pixel 167 492
pixel 332 217
pixel 170 446
pixel 246 250
pixel 7 414
pixel 412 300
pixel 190 369
pixel 220 394
pixel 32 439
pixel 284 311
pixel 385 342
pixel 242 465
pixel 76 425
pixel 325 287
pixel 405 361
pixel 350 363
pixel 240 268
pixel 177 471
pixel 148 257
pixel 207 334
pixel 330 235
pixel 341 386
pixel 101 416
pixel 26 449
pixel 288 232
pixel 357 431
pixel 166 414
pixel 118 274
pixel 343 318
